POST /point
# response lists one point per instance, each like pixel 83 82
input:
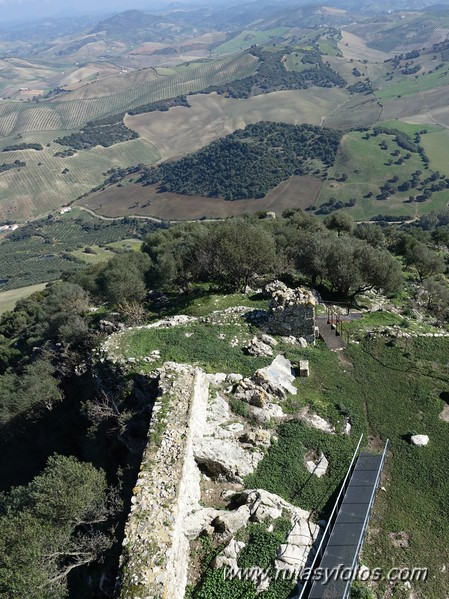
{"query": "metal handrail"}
pixel 365 523
pixel 336 507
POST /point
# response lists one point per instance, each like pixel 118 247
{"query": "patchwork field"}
pixel 248 38
pixel 70 111
pixel 184 130
pixel 422 83
pixel 297 192
pixel 45 248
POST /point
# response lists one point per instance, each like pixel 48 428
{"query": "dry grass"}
pixel 184 130
pixel 353 46
pixel 297 192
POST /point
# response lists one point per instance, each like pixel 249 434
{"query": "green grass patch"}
pixel 282 471
pixel 436 146
pixel 367 169
pixel 93 254
pixel 206 345
pixel 8 299
pixel 409 128
pixel 293 62
pixel 425 82
pixel 126 244
pixel 329 48
pixel 401 389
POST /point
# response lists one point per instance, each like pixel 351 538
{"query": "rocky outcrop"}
pixel 217 448
pixel 258 348
pixel 268 384
pixel 228 557
pixel 314 421
pixel 295 552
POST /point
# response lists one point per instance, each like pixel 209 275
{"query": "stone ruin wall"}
pixel 155 554
pixel 292 311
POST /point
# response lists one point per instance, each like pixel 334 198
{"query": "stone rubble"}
pixel 258 348
pixel 267 385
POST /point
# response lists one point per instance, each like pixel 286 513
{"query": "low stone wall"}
pixel 155 553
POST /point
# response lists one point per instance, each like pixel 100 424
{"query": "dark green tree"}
pixel 232 253
pixel 51 527
pixel 340 222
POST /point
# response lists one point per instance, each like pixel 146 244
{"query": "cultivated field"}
pixel 70 111
pixel 423 104
pixel 355 47
pixel 297 192
pixel 424 82
pixel 184 130
pixel 247 38
pixel 41 186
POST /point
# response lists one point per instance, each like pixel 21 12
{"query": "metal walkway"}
pixel 342 540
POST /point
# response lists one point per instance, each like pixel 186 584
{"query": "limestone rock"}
pixel 296 551
pixel 302 342
pixel 198 521
pixel 233 378
pixel 228 557
pixel 315 421
pixel 274 286
pixel 264 504
pixel 304 371
pixel 277 378
pixel 419 440
pixel 251 393
pixel 225 457
pixel 228 523
pixel 270 411
pixel 319 467
pixel 269 340
pixel 291 340
pixel 173 321
pixel 217 379
pixel 257 437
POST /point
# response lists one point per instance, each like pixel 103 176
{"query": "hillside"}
pixel 249 162
pixel 198 410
